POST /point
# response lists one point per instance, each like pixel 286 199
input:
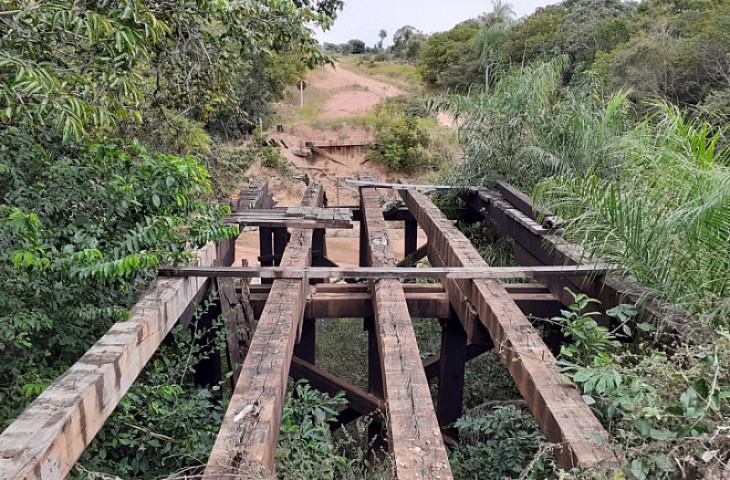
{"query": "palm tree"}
pixel 382 34
pixel 487 42
pixel 501 14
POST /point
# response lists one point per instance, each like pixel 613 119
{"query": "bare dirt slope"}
pixel 343 94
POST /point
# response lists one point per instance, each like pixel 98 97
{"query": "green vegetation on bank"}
pixel 114 118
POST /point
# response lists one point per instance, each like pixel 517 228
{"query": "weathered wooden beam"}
pixel 557 406
pixel 45 441
pixel 361 401
pixel 392 273
pixel 240 326
pixel 524 204
pixel 399 186
pixel 413 431
pixel 247 439
pixel 413 257
pixel 324 153
pixel 354 301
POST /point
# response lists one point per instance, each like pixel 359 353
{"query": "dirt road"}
pixel 348 94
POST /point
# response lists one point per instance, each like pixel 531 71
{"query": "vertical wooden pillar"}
pixel 451 372
pixel 375 379
pixel 266 250
pixel 306 347
pixel 363 245
pixel 411 237
pixel 208 370
pixel 281 239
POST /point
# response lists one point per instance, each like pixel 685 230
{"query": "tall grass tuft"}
pixel 529 127
pixel 666 216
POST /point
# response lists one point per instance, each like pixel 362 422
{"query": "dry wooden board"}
pixel 414 433
pixel 558 407
pixel 246 443
pixel 45 441
pixel 399 186
pixel 396 273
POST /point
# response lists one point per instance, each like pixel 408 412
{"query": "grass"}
pixel 401 75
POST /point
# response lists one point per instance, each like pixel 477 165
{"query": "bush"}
pixel 82 228
pixel 499 443
pixel 400 141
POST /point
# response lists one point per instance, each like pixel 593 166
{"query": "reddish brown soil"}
pixel 353 95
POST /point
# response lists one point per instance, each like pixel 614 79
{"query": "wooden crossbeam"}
pixel 557 406
pixel 359 304
pixel 359 400
pixel 398 186
pixel 45 441
pixel 392 272
pixel 354 301
pixel 414 434
pixel 246 443
pixel 293 217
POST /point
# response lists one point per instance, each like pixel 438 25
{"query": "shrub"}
pixel 400 140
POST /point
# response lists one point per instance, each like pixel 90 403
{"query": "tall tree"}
pixel 501 14
pixel 382 34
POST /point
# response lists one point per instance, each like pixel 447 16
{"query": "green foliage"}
pixel 164 424
pixel 679 51
pixel 664 218
pixel 307 447
pixel 498 443
pixel 84 65
pixel 400 140
pixel 529 128
pixel 82 229
pixel 442 60
pixel 589 340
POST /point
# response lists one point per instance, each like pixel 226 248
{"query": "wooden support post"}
pixel 557 407
pixel 247 439
pixel 47 439
pixel 375 374
pixel 238 319
pixel 208 369
pixel 281 238
pixel 266 249
pixel 451 373
pixel 413 432
pixel 411 237
pixel 306 347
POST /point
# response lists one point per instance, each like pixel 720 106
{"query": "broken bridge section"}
pixel 476 310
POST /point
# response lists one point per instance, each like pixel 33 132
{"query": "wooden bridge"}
pixel 477 312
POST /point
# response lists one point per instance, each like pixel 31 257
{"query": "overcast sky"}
pixel 363 19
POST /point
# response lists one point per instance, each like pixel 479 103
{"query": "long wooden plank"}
pixel 399 186
pixel 414 434
pixel 45 441
pixel 558 407
pixel 391 272
pixel 247 439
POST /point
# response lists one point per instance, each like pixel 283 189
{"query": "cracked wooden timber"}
pixel 413 430
pixel 556 405
pixel 45 441
pixel 246 443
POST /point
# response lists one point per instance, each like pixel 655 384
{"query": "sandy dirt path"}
pixel 352 95
pixel 356 94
